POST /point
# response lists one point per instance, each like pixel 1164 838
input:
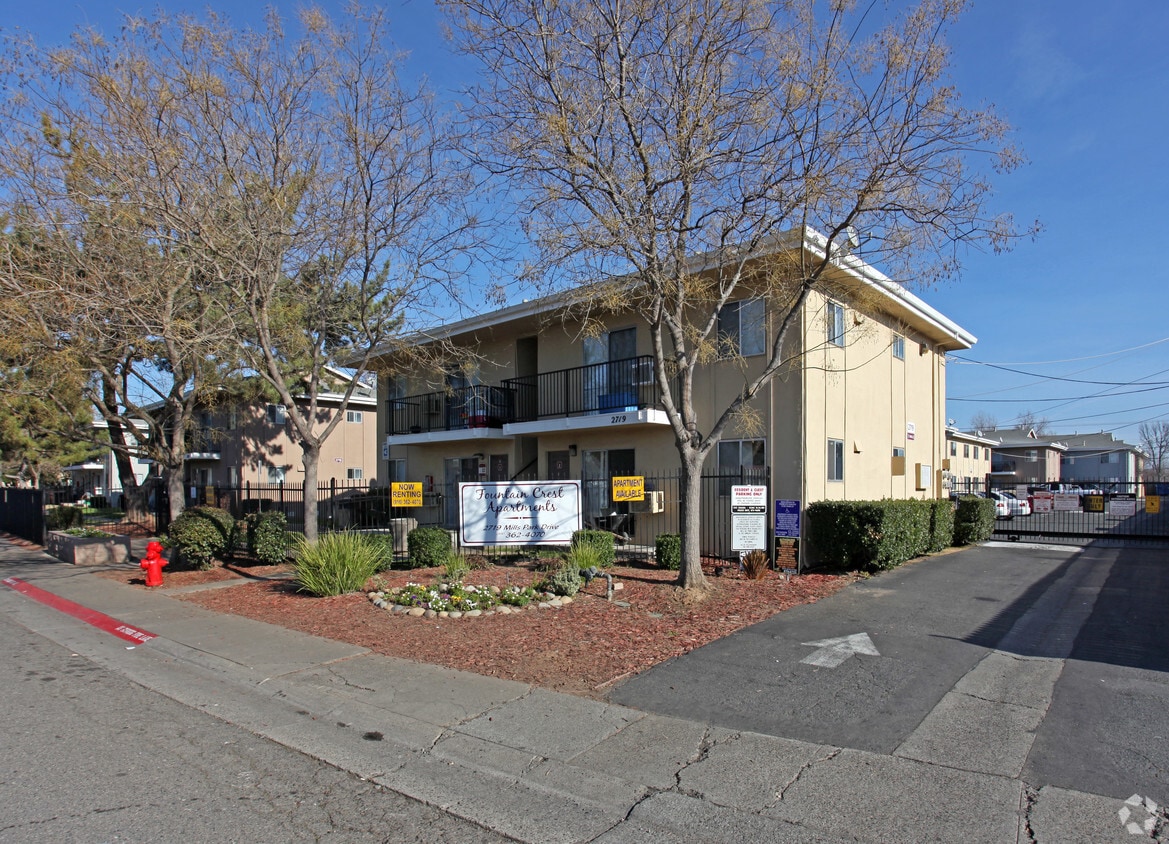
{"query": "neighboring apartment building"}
pixel 1022 456
pixel 968 461
pixel 859 414
pixel 99 477
pixel 251 443
pixel 1100 460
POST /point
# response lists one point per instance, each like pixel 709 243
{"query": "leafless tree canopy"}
pixel 643 133
pixel 1155 444
pixel 288 193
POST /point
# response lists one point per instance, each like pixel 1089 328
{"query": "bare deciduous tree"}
pixel 673 142
pixel 292 179
pixel 1155 444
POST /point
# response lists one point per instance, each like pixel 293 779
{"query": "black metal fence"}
pixel 22 513
pixel 1086 511
pixel 634 525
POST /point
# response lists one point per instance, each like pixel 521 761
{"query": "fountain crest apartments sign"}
pixel 543 513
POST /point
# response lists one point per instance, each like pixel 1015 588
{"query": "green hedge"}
pixel 973 520
pixel 871 535
pixel 668 551
pixel 267 536
pixel 941 525
pixel 428 547
pixel 201 534
pixel 601 540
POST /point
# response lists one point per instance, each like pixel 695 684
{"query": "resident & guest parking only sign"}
pixel 748 518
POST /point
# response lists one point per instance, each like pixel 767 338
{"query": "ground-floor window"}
pixel 736 457
pixel 835 460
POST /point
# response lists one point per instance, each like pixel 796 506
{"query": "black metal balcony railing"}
pixel 627 384
pixel 597 388
pixel 478 406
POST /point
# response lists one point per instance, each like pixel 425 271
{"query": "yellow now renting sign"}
pixel 406 494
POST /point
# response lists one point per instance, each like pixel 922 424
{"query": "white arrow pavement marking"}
pixel 835 651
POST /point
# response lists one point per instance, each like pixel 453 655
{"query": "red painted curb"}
pixel 97 619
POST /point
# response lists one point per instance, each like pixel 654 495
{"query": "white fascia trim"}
pixel 813 240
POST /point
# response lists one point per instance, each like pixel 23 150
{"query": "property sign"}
pixel 406 494
pixel 1067 501
pixel 1042 502
pixel 539 513
pixel 1125 505
pixel 1152 504
pixel 629 489
pixel 787 518
pixel 748 517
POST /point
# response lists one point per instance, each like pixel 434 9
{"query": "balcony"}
pixel 621 392
pixel 203 444
pixel 481 409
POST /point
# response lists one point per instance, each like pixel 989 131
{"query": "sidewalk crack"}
pixel 807 766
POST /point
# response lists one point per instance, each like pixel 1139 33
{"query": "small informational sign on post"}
pixel 539 513
pixel 629 488
pixel 406 494
pixel 787 518
pixel 748 518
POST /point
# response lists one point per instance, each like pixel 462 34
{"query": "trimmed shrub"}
pixel 63 517
pixel 428 547
pixel 941 525
pixel 668 551
pixel 337 563
pixel 973 520
pixel 267 536
pixel 201 534
pixel 602 540
pixel 869 535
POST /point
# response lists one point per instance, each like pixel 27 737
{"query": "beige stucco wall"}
pixel 249 443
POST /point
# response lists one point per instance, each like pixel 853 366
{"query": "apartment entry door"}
pixel 597 472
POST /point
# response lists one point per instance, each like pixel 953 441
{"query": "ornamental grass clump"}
pixel 756 565
pixel 337 563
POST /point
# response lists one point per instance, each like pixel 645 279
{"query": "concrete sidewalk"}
pixel 536 765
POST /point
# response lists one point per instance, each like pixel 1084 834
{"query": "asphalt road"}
pixel 87 756
pixel 1091 627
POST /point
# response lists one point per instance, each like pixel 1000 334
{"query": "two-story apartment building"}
pixel 858 413
pixel 968 460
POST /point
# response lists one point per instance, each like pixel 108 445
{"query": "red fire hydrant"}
pixel 153 564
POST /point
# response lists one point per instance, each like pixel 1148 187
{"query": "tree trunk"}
pixel 174 489
pixel 312 456
pixel 690 574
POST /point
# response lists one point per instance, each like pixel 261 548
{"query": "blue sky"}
pixel 1072 327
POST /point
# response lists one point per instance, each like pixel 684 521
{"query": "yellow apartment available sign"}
pixel 406 494
pixel 629 489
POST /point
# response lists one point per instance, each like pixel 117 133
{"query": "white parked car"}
pixel 1007 506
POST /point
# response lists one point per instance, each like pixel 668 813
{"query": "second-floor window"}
pixel 835 324
pixel 742 328
pixel 354 416
pixel 277 414
pixel 898 347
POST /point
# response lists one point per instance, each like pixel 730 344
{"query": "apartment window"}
pixel 277 414
pixel 898 347
pixel 1111 457
pixel 835 324
pixel 233 419
pixel 354 416
pixel 1033 455
pixel 397 470
pixel 275 473
pixel 965 449
pixel 953 449
pixel 355 474
pixel 739 458
pixel 836 460
pixel 741 328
